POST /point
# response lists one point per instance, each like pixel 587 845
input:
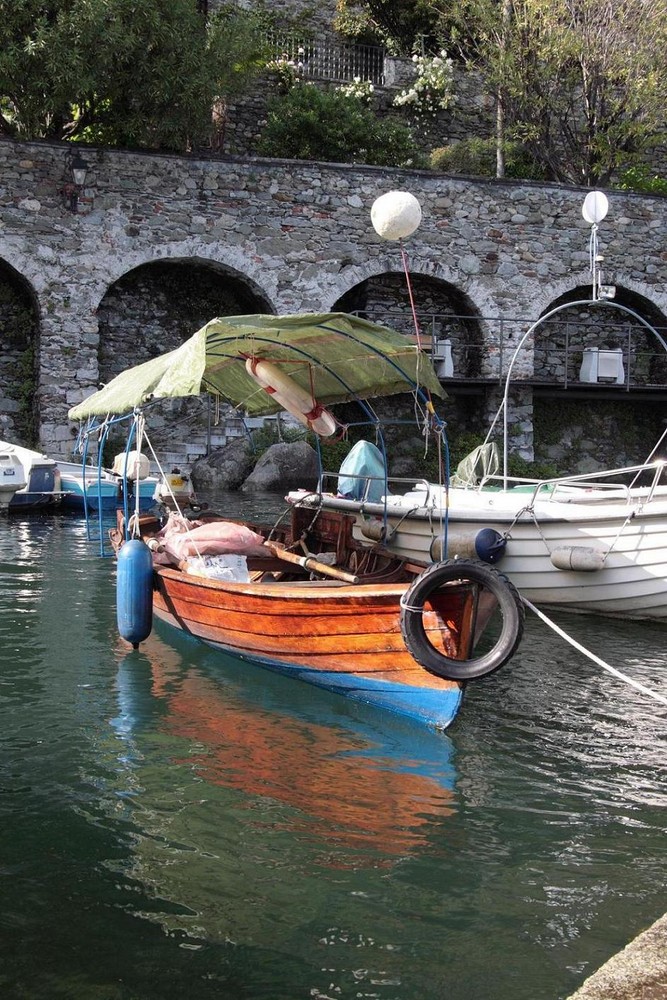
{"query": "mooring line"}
pixel 592 656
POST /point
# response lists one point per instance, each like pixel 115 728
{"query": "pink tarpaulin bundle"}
pixel 180 539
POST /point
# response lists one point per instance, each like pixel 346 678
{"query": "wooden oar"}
pixel 309 562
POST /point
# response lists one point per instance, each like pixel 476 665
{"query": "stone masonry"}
pixel 297 236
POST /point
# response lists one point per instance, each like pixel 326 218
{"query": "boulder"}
pixel 284 467
pixel 224 469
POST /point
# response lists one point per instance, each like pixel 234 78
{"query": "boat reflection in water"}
pixel 350 775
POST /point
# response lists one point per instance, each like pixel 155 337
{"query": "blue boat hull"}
pixel 346 639
pixel 108 497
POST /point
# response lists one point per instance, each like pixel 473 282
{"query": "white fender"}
pixel 578 557
pixel 138 465
pixel 291 396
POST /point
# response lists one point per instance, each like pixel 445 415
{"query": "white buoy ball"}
pixel 396 215
pixel 595 207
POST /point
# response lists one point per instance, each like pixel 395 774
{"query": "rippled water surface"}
pixel 178 824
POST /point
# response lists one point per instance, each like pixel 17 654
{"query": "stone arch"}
pixel 611 323
pixel 597 423
pixel 444 312
pixel 158 304
pixel 228 261
pixel 19 356
pixel 155 307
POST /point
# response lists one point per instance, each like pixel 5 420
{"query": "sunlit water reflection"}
pixel 179 824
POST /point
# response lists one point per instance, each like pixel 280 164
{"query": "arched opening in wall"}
pixel 19 349
pixel 155 308
pixel 617 370
pixel 451 330
pixel 602 326
pixel 444 313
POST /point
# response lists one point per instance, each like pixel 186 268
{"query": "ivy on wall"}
pixel 18 335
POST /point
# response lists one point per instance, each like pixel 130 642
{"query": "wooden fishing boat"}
pixel 305 598
pixel 319 606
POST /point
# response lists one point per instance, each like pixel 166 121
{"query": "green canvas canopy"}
pixel 334 356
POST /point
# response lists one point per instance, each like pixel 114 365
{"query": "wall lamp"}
pixel 78 168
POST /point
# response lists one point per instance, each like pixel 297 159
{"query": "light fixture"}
pixel 594 210
pixel 78 168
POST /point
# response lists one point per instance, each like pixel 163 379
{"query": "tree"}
pixel 119 72
pixel 580 82
pixel 401 25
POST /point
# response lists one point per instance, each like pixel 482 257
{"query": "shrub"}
pixel 313 124
pixel 263 437
pixel 477 157
pixel 641 180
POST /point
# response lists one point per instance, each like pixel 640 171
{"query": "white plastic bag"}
pixel 223 567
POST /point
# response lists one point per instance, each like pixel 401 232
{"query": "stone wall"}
pixel 286 237
pixel 312 17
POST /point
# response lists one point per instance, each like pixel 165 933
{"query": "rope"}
pixel 591 656
pixel 140 422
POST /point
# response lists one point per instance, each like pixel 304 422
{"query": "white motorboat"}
pixel 12 474
pixel 585 543
pixel 37 483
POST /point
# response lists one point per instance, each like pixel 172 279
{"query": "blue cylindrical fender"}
pixel 134 591
pixel 487 545
pixel 490 545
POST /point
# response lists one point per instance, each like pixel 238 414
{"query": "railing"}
pixel 567 352
pixel 324 60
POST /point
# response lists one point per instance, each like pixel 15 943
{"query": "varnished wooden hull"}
pixel 345 638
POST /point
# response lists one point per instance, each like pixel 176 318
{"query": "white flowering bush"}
pixel 286 71
pixel 433 88
pixel 360 89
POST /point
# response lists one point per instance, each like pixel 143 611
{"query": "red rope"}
pixel 412 299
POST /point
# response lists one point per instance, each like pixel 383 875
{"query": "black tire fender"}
pixel 510 608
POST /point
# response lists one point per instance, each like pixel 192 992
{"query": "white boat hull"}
pixel 627 541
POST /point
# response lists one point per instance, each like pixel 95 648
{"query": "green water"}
pixel 177 824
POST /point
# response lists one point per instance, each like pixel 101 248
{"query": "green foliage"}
pixel 642 180
pixel 263 437
pixel 521 468
pixel 25 393
pixel 397 24
pixel 580 85
pixel 333 453
pixel 477 158
pixel 313 124
pixel 120 72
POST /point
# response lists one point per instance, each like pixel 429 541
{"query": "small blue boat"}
pixel 100 489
